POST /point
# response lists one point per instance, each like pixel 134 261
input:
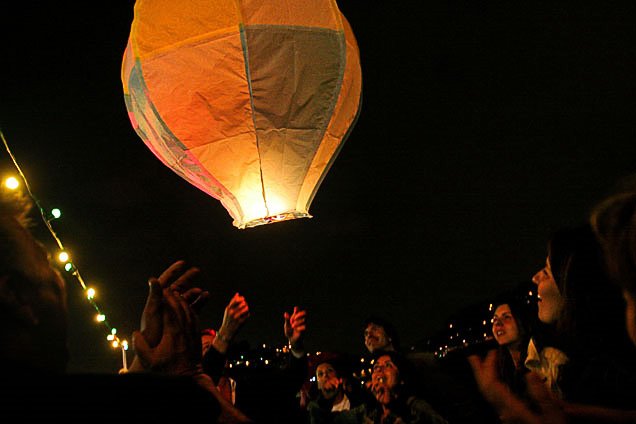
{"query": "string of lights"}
pixel 13 183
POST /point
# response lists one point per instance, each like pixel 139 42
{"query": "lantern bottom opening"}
pixel 286 216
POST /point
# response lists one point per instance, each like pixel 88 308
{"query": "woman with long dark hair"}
pixel 582 350
pixel 512 325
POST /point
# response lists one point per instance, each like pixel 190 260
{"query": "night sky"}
pixel 484 126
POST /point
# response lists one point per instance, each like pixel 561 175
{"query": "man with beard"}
pixel 340 398
pixel 380 334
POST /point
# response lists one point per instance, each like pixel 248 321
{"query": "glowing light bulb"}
pixel 11 183
pixel 63 257
pixel 90 293
pixel 100 317
pixel 56 213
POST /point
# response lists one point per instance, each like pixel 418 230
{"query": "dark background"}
pixel 484 126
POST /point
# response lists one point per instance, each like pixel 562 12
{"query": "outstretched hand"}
pixel 178 351
pixel 174 278
pixel 236 313
pixel 294 328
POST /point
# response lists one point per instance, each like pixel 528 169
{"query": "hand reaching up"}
pixel 294 328
pixel 178 351
pixel 174 279
pixel 236 313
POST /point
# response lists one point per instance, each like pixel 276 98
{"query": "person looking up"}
pixel 582 349
pixel 395 393
pixel 331 387
pixel 591 358
pixel 379 334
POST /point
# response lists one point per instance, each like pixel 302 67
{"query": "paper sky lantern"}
pixel 248 100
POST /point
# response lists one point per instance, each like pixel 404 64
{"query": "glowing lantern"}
pixel 248 100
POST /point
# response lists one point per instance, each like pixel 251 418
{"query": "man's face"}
pixel 385 380
pixel 327 379
pixel 375 338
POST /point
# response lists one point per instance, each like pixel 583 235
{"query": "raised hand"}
pixel 236 313
pixel 174 278
pixel 178 351
pixel 294 328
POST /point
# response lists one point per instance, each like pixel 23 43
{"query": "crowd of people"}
pixel 569 358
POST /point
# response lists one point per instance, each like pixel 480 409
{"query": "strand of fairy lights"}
pixel 63 257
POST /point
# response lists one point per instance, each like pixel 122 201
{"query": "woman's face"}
pixel 504 326
pixel 550 299
pixel 385 380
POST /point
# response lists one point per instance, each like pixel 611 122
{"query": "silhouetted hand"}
pixel 179 349
pixel 174 278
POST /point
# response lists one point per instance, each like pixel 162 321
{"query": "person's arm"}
pixel 294 328
pixel 236 313
pixel 178 351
